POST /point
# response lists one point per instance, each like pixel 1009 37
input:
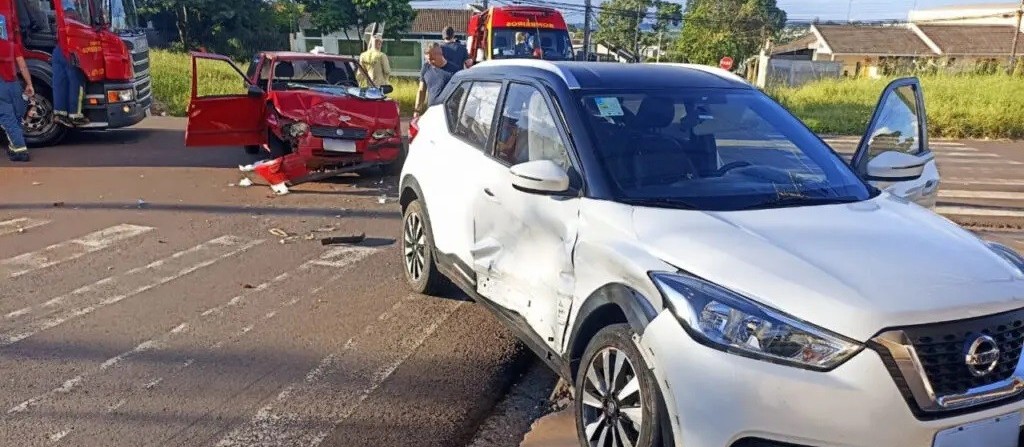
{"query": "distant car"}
pixel 310 103
pixel 705 270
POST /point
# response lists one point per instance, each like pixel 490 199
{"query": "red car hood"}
pixel 324 109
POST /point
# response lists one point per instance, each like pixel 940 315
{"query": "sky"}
pixel 798 9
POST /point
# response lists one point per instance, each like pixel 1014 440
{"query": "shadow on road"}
pixel 134 147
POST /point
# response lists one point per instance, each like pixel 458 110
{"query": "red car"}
pixel 306 110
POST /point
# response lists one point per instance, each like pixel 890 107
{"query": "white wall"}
pixel 966 15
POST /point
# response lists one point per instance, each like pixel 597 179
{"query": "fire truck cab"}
pixel 110 54
pixel 504 32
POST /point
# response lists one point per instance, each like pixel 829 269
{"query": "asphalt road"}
pixel 145 301
pixel 181 320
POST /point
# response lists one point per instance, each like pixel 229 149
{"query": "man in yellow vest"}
pixel 375 62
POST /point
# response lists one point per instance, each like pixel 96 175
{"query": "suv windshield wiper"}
pixel 659 202
pixel 783 201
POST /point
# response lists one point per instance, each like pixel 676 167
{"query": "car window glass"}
pixel 897 126
pixel 711 149
pixel 453 106
pixel 526 129
pixel 291 73
pixel 474 123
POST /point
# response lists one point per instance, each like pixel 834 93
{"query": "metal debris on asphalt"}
pixel 279 232
pixel 352 239
pixel 245 182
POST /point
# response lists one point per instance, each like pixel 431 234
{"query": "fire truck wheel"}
pixel 41 129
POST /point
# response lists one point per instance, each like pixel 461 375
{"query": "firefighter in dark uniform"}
pixel 13 98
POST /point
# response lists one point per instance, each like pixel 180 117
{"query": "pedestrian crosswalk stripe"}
pixel 68 250
pixel 20 224
pixel 961 161
pixel 969 154
pixel 23 323
pixel 978 211
pixel 944 144
pixel 983 181
pixel 217 318
pixel 998 195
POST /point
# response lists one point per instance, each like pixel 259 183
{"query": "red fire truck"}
pixel 503 32
pixel 111 53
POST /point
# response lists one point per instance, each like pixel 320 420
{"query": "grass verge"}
pixel 967 106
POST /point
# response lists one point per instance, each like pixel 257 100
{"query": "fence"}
pixel 791 73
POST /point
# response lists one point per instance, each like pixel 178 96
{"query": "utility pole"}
pixel 636 37
pixel 1016 37
pixel 658 58
pixel 586 31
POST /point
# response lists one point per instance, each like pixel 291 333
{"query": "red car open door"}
pixel 217 119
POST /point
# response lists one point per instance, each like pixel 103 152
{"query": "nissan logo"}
pixel 981 355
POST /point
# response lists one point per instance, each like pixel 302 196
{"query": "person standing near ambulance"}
pixel 67 82
pixel 12 96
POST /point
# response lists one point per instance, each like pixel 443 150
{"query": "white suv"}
pixel 705 270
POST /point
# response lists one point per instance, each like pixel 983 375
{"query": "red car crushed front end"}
pixel 337 130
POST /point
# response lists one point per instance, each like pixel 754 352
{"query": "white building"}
pixel 980 14
pixel 405 54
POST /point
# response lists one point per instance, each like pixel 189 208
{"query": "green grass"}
pixel 172 82
pixel 967 106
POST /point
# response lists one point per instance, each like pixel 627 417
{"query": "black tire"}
pixel 614 413
pixel 418 252
pixel 44 131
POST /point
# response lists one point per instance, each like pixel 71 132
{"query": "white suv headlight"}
pixel 724 320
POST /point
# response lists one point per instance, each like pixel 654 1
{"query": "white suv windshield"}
pixel 712 149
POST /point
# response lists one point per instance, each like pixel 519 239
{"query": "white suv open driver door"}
pixel 896 141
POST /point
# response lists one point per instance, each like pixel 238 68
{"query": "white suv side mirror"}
pixel 540 176
pixel 895 167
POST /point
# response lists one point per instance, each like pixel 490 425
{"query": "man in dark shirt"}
pixel 433 78
pixel 454 51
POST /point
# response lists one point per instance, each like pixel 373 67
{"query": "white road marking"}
pixel 930 142
pixel 337 256
pixel 998 195
pixel 107 291
pixel 968 154
pixel 22 223
pixel 974 211
pixel 983 181
pixel 971 161
pixel 68 250
pixel 286 421
pixel 55 437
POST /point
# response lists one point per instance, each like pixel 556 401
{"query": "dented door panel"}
pixel 523 251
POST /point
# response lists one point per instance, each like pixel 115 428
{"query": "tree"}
pixel 344 15
pixel 237 28
pixel 619 22
pixel 736 28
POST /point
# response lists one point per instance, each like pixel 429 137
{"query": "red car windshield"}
pixel 310 73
